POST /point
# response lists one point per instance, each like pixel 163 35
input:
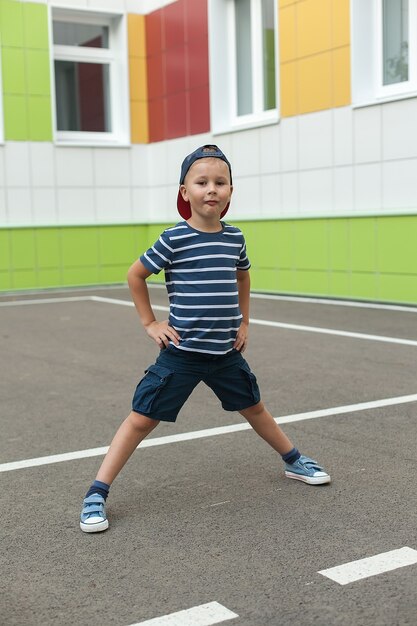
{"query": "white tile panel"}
pixel 246 199
pixel 4 220
pixel 19 206
pixel 343 198
pixel 139 165
pixel 289 144
pixel 177 150
pixel 2 167
pixel 74 167
pixel 110 5
pixel 158 163
pixel 45 210
pixel 399 129
pixel 140 205
pixel 368 187
pixel 270 149
pixel 290 193
pixel 270 199
pixel 399 185
pixel 161 208
pixel 245 153
pixel 343 136
pixel 113 205
pixel 16 155
pixel 76 206
pixel 316 192
pixel 42 163
pixel 367 135
pixel 315 140
pixel 111 167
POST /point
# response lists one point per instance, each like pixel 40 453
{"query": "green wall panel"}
pixel 11 23
pixel 360 258
pixel 26 71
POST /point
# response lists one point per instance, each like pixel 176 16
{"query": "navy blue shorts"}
pixel 164 389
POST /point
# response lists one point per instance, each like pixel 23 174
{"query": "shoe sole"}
pixel 94 528
pixel 310 480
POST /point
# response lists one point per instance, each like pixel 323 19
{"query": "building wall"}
pixel 326 197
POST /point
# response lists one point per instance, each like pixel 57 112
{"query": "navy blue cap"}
pixel 209 150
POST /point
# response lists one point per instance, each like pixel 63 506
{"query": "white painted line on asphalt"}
pixel 298 327
pixel 371 566
pixel 349 303
pixel 339 333
pixel 46 301
pixel 203 615
pixel 207 432
pixel 310 329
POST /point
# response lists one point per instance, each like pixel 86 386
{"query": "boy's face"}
pixel 207 188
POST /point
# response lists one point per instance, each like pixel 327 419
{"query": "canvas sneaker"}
pixel 93 517
pixel 307 470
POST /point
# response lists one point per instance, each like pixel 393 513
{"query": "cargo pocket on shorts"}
pixel 149 388
pixel 251 381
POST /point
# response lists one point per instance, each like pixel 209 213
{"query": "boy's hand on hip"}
pixel 242 337
pixel 162 333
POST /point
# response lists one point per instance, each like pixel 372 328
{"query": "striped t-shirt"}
pixel 200 276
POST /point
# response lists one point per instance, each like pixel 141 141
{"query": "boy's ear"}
pixel 183 192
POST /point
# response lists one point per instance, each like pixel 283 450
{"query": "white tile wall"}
pixel 316 192
pixel 19 206
pixel 343 199
pixel 245 153
pixel 269 145
pixel 17 164
pixel 315 140
pixel 113 205
pixel 343 136
pixel 45 209
pixel 289 144
pixel 74 167
pixel 140 204
pixel 367 135
pixel 368 187
pixel 112 167
pixel 399 185
pixel 290 193
pixel 42 163
pixel 399 129
pixel 270 198
pixel 246 199
pixel 331 162
pixel 76 206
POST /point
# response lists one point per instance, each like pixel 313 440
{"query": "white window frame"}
pixel 367 55
pixel 223 78
pixel 115 56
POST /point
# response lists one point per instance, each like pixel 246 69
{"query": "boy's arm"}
pixel 243 287
pixel 160 332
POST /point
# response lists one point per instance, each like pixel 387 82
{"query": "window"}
pixel 90 77
pixel 243 63
pixel 384 41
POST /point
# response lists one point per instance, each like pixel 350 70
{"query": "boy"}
pixel 207 279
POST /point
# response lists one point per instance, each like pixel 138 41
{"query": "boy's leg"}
pixel 264 424
pixel 129 435
pixel 297 466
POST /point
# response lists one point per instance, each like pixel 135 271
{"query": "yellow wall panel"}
pixel 139 122
pixel 289 104
pixel 315 83
pixel 134 77
pixel 285 3
pixel 287 34
pixel 341 23
pixel 314 27
pixel 341 77
pixel 133 31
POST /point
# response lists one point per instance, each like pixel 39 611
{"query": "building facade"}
pixel 313 101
